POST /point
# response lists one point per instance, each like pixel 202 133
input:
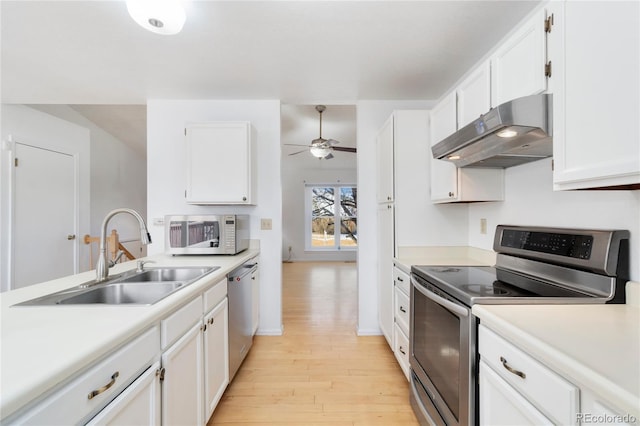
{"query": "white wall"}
pixel 530 200
pixel 166 177
pixel 118 179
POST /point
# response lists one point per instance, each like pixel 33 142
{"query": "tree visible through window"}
pixel 333 214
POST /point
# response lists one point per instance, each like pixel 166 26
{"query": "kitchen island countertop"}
pixel 42 346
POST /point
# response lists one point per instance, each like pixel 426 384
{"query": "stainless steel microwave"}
pixel 206 234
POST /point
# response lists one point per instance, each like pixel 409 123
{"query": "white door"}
pixel 44 215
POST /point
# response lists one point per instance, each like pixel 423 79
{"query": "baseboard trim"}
pixel 369 332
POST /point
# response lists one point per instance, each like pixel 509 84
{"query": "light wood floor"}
pixel 318 372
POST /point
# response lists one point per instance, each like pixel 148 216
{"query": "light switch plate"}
pixel 265 224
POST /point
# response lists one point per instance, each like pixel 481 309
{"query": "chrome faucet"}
pixel 102 271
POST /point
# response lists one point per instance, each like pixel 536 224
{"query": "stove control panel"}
pixel 567 245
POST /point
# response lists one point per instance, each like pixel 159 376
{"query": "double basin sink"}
pixel 144 287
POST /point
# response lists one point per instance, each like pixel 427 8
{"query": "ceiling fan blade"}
pixel 299 152
pixel 294 144
pixel 344 149
pixel 332 141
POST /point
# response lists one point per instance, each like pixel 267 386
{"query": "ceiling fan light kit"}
pixel 320 147
pixel 165 17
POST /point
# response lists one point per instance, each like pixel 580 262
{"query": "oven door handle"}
pixel 457 309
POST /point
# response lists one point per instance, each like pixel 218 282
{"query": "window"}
pixel 327 206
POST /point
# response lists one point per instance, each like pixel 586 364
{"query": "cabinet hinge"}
pixel 160 373
pixel 552 165
pixel 547 69
pixel 185 193
pixel 548 24
pixel 185 131
pixel 15 162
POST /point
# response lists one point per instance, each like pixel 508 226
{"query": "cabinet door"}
pixel 595 96
pixel 384 157
pixel 474 95
pixel 139 404
pixel 182 390
pixel 219 163
pixel 444 175
pixel 518 65
pixel 500 404
pixel 385 270
pixel 216 356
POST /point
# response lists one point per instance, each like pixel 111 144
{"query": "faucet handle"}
pixel 140 264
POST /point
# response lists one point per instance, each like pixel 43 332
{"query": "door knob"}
pixel 71 237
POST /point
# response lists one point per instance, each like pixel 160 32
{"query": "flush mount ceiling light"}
pixel 158 16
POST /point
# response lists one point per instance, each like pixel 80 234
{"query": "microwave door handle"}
pixel 457 309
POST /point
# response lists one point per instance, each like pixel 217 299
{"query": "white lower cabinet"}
pixel 531 390
pixel 108 380
pixel 216 356
pixel 195 369
pixel 182 380
pixel 139 404
pixel 502 405
pixel 401 285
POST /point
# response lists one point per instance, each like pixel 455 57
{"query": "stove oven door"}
pixel 442 344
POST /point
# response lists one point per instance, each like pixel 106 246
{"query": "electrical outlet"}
pixel 483 226
pixel 265 224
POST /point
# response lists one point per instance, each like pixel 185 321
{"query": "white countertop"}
pixel 443 256
pixel 596 347
pixel 41 346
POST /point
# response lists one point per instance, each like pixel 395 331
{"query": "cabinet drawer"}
pixel 401 280
pixel 215 294
pixel 71 404
pixel 550 393
pixel 177 324
pixel 401 349
pixel 401 312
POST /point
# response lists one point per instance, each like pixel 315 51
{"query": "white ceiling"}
pixel 301 52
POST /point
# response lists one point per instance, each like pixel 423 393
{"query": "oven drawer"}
pixel 401 310
pixel 401 280
pixel 547 391
pixel 401 349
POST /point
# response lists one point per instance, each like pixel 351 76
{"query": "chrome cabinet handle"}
pixel 402 351
pixel 511 369
pixel 97 392
pixel 402 309
pixel 71 237
pixel 400 279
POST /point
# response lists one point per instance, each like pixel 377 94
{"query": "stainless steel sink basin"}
pixel 130 288
pixel 166 274
pixel 119 293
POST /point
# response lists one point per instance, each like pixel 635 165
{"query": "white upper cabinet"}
pixel 594 48
pixel 219 163
pixel 449 183
pixel 474 95
pixel 384 146
pixel 518 64
pixel 444 175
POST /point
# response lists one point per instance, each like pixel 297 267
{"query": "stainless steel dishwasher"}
pixel 240 315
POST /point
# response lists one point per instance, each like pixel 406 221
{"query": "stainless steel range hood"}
pixel 516 132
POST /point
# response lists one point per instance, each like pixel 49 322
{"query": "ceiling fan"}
pixel 322 148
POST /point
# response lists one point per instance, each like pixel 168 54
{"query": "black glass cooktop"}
pixel 489 285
